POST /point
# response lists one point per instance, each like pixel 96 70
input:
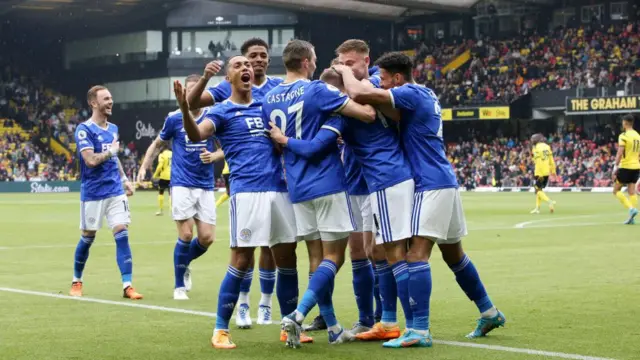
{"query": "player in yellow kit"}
pixel 163 173
pixel 545 167
pixel 225 176
pixel 627 167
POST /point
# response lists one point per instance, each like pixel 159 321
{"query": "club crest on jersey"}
pixel 245 234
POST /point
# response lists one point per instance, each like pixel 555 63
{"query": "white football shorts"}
pixel 328 218
pixel 362 214
pixel 261 219
pixel 391 212
pixel 438 214
pixel 187 203
pixel 115 209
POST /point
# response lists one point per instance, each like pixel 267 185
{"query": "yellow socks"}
pixel 623 199
pixel 543 196
pixel 160 201
pixel 634 200
pixel 222 199
pixel 538 200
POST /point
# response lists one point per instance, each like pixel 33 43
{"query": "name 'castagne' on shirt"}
pixel 276 98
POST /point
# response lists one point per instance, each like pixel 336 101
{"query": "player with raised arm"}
pixel 391 183
pixel 192 192
pixel 257 51
pixel 302 108
pixel 545 166
pixel 102 191
pixel 260 211
pixel 627 167
pixel 163 174
pixel 437 215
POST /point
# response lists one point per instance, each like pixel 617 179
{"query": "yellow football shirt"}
pixel 630 139
pixel 543 158
pixel 163 171
pixel 225 171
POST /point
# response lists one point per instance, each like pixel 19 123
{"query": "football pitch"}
pixel 568 283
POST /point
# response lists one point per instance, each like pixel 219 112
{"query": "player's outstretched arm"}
pixel 324 139
pixel 194 131
pixel 151 153
pixel 198 97
pixel 359 91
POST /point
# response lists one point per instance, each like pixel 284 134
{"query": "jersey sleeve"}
pixel 329 98
pixel 216 119
pixel 83 140
pixel 335 124
pixel 167 131
pixel 403 97
pixel 621 140
pixel 323 140
pixel 220 92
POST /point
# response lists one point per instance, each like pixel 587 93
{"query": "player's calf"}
pixel 80 258
pixel 267 275
pixel 363 282
pixel 469 280
pixel 228 296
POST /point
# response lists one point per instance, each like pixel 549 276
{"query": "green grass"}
pixel 567 282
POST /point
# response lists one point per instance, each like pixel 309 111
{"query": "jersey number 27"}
pixel 296 109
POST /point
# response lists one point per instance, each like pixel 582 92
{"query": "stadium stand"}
pixel 500 70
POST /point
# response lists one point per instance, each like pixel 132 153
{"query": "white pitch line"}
pixel 520 350
pixel 524 224
pixel 554 354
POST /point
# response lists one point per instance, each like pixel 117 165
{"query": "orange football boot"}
pixel 76 289
pixel 380 332
pixel 304 338
pixel 222 340
pixel 131 293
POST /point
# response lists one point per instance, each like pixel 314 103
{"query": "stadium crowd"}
pixel 583 159
pixel 501 70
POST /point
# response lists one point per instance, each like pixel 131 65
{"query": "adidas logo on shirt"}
pixel 238 113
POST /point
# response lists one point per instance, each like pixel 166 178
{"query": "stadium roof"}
pixel 90 11
pixel 103 12
pixel 383 9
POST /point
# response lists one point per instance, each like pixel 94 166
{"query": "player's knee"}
pixel 452 253
pixel 88 233
pixel 161 191
pixel 186 235
pixel 206 239
pixel 420 249
pixel 378 253
pixel 395 251
pixel 336 258
pixel 284 255
pixel 116 229
pixel 266 258
pixel 357 250
pixel 241 258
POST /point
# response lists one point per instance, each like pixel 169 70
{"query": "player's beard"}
pixel 106 111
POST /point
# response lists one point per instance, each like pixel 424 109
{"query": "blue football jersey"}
pixel 421 132
pixel 187 169
pixel 377 147
pixel 253 161
pixel 222 91
pixel 102 181
pixel 356 184
pixel 300 109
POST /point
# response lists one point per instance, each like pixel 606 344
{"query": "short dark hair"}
pixel 295 53
pixel 93 92
pixel 630 118
pixel 244 49
pixel 331 77
pixel 356 45
pixel 192 78
pixel 396 63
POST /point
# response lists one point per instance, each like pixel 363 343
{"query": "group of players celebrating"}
pixel 354 159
